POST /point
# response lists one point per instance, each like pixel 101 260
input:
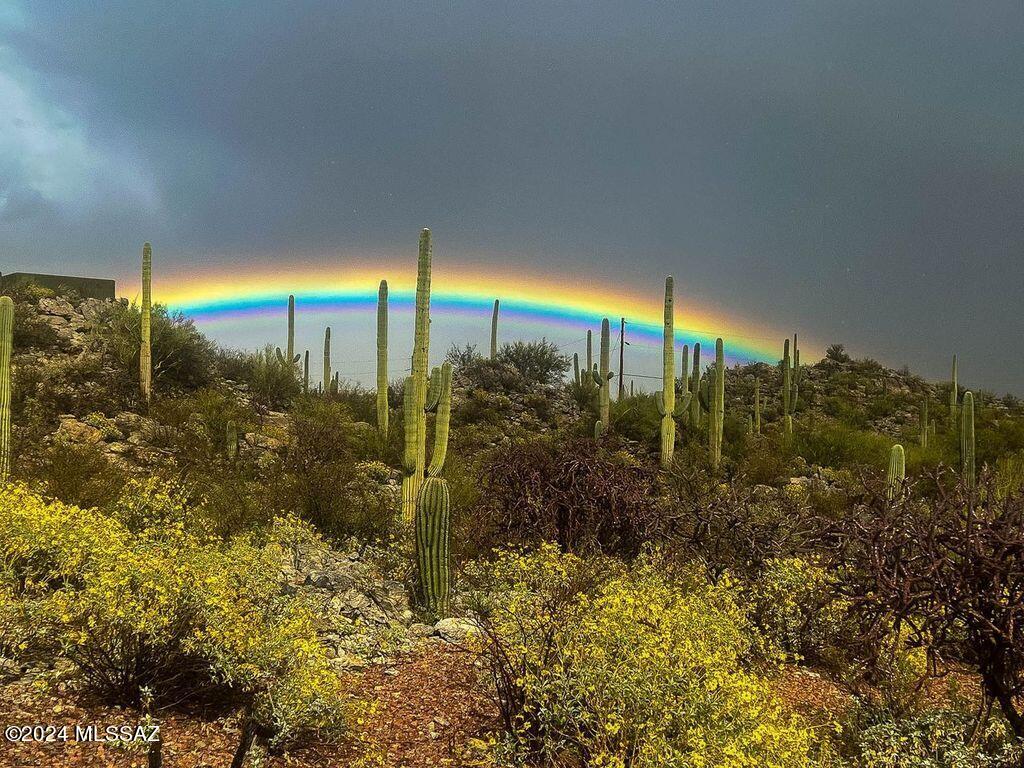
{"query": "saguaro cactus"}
pixel 417 413
pixel 967 439
pixel 145 352
pixel 603 376
pixel 231 439
pixel 291 330
pixel 695 389
pixel 790 387
pixel 897 471
pixel 382 359
pixel 305 373
pixel 441 421
pixel 953 396
pixel 576 368
pixel 924 422
pixel 432 528
pixel 590 350
pixel 494 331
pixel 327 359
pixel 6 346
pixel 717 412
pixel 666 399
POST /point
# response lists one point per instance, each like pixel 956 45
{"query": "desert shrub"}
pixel 75 474
pixel 272 383
pixel 167 609
pixel 839 446
pixel 325 481
pixel 640 670
pixel 519 367
pixel 763 463
pixel 43 388
pixel 636 418
pixel 837 353
pixel 740 530
pixel 574 492
pixel 796 608
pixel 939 738
pixel 182 357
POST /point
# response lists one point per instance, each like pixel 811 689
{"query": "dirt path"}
pixel 428 705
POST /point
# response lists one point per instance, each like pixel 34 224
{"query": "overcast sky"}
pixel 851 169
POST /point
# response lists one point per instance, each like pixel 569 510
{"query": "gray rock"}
pixel 457 631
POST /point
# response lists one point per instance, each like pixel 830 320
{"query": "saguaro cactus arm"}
pixel 441 421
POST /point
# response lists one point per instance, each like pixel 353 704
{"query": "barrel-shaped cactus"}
pixel 897 471
pixel 494 331
pixel 433 505
pixel 382 359
pixel 6 348
pixel 967 440
pixel 145 350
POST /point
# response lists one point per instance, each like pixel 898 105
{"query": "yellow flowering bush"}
pixel 165 608
pixel 635 669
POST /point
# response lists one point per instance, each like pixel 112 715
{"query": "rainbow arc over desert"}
pixel 538 304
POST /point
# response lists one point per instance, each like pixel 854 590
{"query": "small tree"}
pixel 951 572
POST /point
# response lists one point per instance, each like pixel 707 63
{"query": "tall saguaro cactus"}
pixel 790 387
pixel 666 399
pixel 417 413
pixel 6 347
pixel 924 422
pixel 305 373
pixel 716 413
pixel 327 359
pixel 897 471
pixel 292 359
pixel 967 439
pixel 145 351
pixel 953 396
pixel 382 359
pixel 695 389
pixel 494 331
pixel 603 376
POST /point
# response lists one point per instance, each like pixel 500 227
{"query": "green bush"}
pixel 642 670
pixel 272 383
pixel 838 446
pixel 937 739
pixel 182 358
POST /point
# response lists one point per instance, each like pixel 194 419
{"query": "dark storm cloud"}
pixel 851 170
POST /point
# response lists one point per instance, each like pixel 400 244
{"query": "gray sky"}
pixel 853 170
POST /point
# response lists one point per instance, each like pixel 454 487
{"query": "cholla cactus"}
pixel 6 348
pixel 897 472
pixel 145 351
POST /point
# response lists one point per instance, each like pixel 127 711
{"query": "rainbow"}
pixel 541 305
